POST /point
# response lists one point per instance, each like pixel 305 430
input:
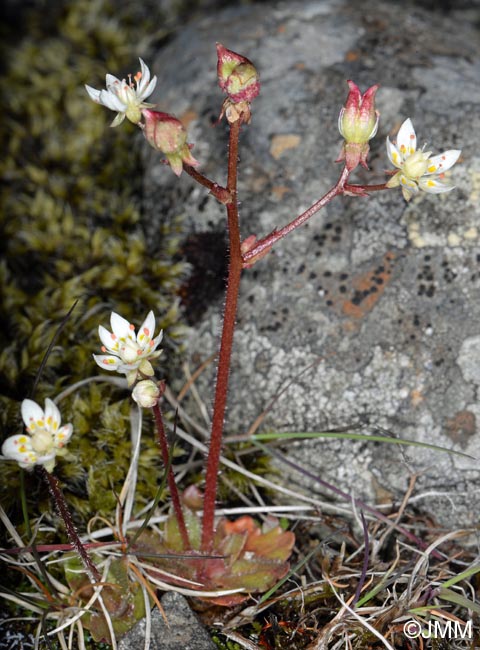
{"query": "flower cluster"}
pixel 45 438
pixel 418 169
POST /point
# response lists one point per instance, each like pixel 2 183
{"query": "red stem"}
pixel 223 370
pixel 177 506
pixel 65 514
pixel 222 194
pixel 276 235
pixel 364 189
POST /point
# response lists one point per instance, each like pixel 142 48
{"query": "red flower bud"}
pixel 168 135
pixel 357 123
pixel 237 76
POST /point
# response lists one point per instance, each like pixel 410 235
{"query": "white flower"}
pixel 45 440
pixel 126 97
pixel 127 353
pixel 418 171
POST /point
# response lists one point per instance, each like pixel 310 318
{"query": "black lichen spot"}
pixel 357 298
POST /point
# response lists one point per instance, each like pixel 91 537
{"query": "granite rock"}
pixel 375 300
pixel 183 632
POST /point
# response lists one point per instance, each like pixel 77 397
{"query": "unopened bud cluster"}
pixel 238 78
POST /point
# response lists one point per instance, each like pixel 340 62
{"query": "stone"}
pixel 183 632
pixel 370 312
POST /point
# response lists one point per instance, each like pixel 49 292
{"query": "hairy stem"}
pixel 177 506
pixel 222 194
pixel 223 370
pixel 65 514
pixel 268 241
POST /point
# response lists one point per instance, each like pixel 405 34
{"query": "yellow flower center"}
pixel 415 165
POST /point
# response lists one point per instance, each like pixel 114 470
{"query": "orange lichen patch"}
pixel 189 116
pixel 416 397
pixel 367 288
pixel 352 55
pixel 280 190
pixel 281 143
pixel 461 427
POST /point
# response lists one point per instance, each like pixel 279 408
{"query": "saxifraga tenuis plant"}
pixel 218 560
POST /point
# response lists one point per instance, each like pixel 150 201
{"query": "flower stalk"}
pixel 65 514
pixel 176 503
pixel 226 343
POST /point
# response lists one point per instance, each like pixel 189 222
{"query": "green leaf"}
pixel 353 436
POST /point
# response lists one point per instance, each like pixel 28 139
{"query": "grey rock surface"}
pixel 381 296
pixel 183 632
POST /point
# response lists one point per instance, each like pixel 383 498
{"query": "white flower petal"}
pixel 47 461
pixel 107 362
pixel 149 89
pixel 109 340
pixel 408 183
pixel 120 326
pixel 144 76
pixel 111 80
pixel 156 342
pixel 32 415
pixel 406 138
pixel 434 186
pixel 94 94
pixel 52 416
pixel 146 330
pixel 63 435
pixel 19 448
pixel 394 155
pixel 340 121
pixel 443 162
pixel 112 101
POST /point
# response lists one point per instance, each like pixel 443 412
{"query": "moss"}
pixel 71 229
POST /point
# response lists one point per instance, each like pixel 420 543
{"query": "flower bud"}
pixel 168 135
pixel 146 393
pixel 247 246
pixel 357 123
pixel 237 76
